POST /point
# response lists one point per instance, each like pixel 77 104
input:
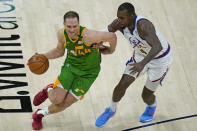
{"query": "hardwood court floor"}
pixel 38 22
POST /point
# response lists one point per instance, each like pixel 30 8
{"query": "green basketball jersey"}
pixel 79 54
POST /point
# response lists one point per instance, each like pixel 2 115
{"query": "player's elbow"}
pixel 60 52
pixel 114 42
pixel 113 36
pixel 159 47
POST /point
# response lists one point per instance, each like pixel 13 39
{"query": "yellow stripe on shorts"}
pixel 82 97
pixel 56 83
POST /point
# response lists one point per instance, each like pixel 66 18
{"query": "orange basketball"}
pixel 38 64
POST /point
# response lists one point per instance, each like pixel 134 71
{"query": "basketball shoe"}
pixel 148 114
pixel 37 120
pixel 41 96
pixel 103 118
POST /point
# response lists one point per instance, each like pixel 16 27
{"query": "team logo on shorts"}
pixel 79 90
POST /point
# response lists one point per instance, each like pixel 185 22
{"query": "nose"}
pixel 72 29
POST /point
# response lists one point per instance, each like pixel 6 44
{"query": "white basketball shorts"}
pixel 156 69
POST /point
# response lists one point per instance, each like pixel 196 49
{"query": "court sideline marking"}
pixel 160 122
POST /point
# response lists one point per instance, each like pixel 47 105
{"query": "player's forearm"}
pixel 112 43
pixel 54 53
pixel 152 53
pixel 112 46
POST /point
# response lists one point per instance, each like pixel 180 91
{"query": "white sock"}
pixel 154 104
pixel 50 88
pixel 44 111
pixel 113 105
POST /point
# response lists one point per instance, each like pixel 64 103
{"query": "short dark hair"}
pixel 71 14
pixel 127 6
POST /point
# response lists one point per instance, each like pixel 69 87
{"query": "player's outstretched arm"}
pixel 59 50
pixel 91 36
pixel 114 26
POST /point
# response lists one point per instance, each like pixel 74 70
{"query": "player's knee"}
pixel 69 100
pixel 62 105
pixel 55 100
pixel 66 103
pixel 57 95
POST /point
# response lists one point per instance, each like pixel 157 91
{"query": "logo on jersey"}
pixel 136 43
pixel 80 42
pixel 134 40
pixel 79 50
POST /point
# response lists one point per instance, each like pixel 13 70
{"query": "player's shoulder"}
pixel 60 34
pixel 60 31
pixel 144 25
pixel 143 22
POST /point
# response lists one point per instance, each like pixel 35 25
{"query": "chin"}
pixel 72 34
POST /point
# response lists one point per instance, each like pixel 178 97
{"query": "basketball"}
pixel 38 64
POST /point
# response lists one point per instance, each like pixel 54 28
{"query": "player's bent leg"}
pixel 104 117
pixel 57 95
pixel 123 84
pixel 68 101
pixel 149 98
pixel 155 78
pixel 41 96
pixel 118 93
pixel 53 108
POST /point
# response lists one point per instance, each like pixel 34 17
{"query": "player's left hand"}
pixel 136 67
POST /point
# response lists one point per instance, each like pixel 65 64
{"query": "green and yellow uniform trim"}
pixel 81 66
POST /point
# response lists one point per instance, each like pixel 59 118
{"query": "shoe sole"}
pixel 149 120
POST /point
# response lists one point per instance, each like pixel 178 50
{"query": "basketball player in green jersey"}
pixel 80 68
